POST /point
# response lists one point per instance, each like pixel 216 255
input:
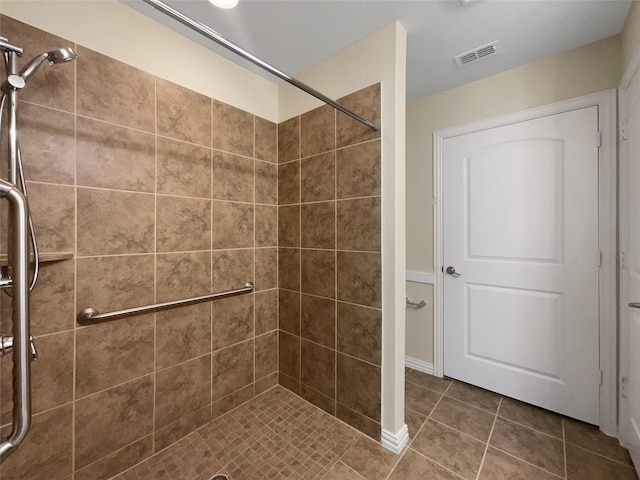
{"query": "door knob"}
pixel 452 271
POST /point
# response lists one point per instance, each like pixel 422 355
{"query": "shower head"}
pixel 53 57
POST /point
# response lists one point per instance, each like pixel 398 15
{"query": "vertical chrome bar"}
pixel 12 96
pixel 21 351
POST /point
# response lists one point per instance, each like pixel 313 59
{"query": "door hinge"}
pixel 623 132
pixel 623 386
pixel 601 377
pixel 599 258
pixel 599 139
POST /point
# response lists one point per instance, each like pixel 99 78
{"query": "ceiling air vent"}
pixel 476 54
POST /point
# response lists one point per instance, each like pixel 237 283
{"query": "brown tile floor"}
pixel 457 431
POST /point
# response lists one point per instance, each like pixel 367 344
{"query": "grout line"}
pixel 564 447
pixel 436 463
pixel 486 448
pixel 601 455
pixel 526 462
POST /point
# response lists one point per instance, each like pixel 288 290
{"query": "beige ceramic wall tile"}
pixel 289 140
pixel 182 113
pixel 110 156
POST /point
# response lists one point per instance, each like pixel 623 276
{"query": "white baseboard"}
pixel 419 365
pixel 395 441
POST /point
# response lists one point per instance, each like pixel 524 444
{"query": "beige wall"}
pixel 118 31
pixel 631 36
pixel 591 68
pixel 380 57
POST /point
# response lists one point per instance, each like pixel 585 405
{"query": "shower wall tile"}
pixel 233 321
pixel 266 354
pixel 182 275
pixel 288 382
pixel 117 461
pixel 318 320
pixel 359 224
pixel 317 131
pixel 183 169
pixel 53 211
pixel 51 87
pixel 289 183
pixel 318 272
pixel 289 226
pixel 182 389
pixel 232 225
pixel 266 311
pixel 266 183
pixel 130 100
pixel 289 308
pixel 289 355
pixel 231 269
pixel 318 177
pixel 359 422
pixel 112 353
pixel 328 404
pixel 183 224
pixel 52 308
pixel 318 225
pixel 289 268
pixel 46 453
pixel 232 177
pixel 336 185
pixel 224 405
pixel 182 334
pixel 109 420
pixel 318 367
pixel 289 140
pixel 266 383
pixel 182 113
pixel 366 103
pixel 266 265
pixel 40 126
pixel 266 140
pixel 360 332
pixel 110 156
pixel 232 369
pixel 358 386
pixel 126 226
pixel 52 382
pixel 266 231
pixel 232 129
pixel 113 283
pixel 360 278
pixel 167 435
pixel 358 170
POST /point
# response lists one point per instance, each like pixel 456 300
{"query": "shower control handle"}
pixel 6 346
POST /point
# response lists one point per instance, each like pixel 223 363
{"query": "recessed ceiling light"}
pixel 224 3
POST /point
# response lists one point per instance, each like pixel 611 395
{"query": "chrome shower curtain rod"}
pixel 220 40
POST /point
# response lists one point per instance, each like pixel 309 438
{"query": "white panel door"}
pixel 521 231
pixel 630 272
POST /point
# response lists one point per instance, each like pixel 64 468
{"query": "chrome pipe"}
pixel 19 257
pixel 220 40
pixel 90 316
pixel 12 94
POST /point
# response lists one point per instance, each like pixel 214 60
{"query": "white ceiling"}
pixel 295 34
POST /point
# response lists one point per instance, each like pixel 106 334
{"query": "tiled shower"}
pixel 156 192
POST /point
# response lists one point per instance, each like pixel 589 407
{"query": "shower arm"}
pixel 220 40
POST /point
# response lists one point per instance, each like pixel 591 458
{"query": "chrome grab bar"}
pixel 416 305
pixel 20 303
pixel 90 316
pixel 211 34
